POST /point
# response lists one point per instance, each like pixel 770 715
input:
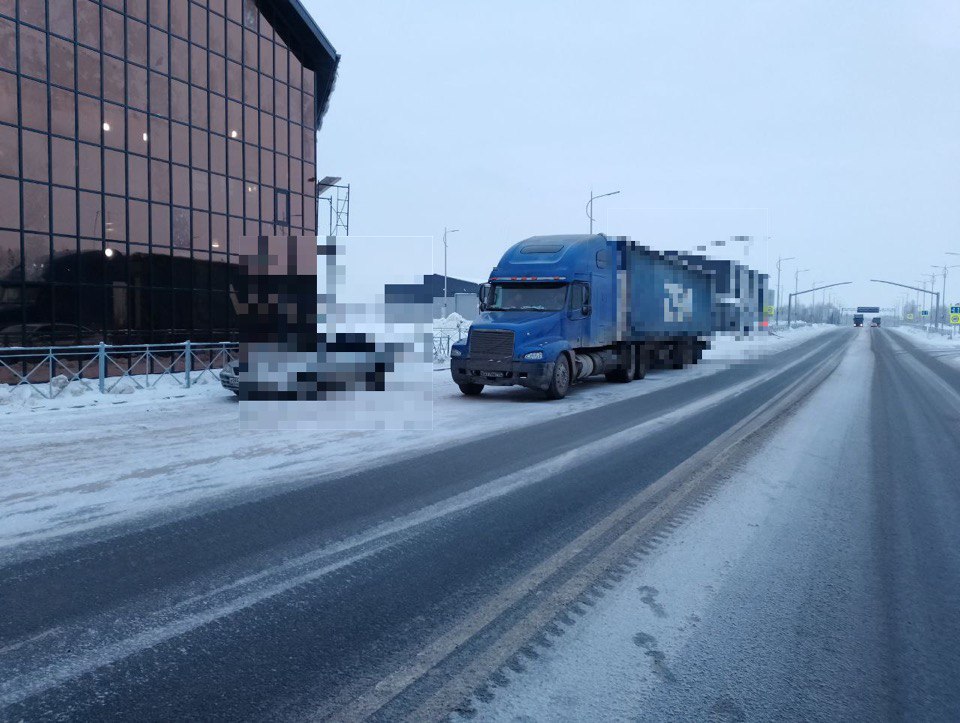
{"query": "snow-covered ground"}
pixel 946 348
pixel 84 460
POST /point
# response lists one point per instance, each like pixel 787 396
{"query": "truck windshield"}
pixel 528 297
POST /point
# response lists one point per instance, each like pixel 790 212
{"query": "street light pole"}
pixel 589 208
pixel 780 261
pixel 445 232
pixel 796 288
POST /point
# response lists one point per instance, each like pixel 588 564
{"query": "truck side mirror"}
pixel 483 294
pixel 586 309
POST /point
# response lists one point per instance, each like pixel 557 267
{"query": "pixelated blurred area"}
pixel 321 347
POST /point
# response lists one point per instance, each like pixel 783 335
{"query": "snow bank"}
pixel 944 347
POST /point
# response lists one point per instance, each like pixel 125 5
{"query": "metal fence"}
pixel 47 371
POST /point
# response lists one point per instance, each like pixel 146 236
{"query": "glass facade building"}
pixel 139 140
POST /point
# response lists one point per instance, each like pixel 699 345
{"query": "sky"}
pixel 826 131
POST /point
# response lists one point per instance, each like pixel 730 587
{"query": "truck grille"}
pixel 491 344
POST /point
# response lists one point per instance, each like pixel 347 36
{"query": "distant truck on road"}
pixel 858 319
pixel 875 321
pixel 562 308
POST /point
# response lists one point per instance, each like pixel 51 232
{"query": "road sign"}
pixel 868 309
pixel 910 317
pixel 768 310
pixel 955 319
pixel 955 309
pixel 924 312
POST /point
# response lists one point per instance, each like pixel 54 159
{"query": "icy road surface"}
pixel 821 583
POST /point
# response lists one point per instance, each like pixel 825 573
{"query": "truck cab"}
pixel 548 297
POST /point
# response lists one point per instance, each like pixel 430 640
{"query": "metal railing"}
pixel 47 371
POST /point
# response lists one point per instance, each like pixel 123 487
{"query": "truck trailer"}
pixel 558 309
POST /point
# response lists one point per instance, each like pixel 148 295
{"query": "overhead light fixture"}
pixel 215 244
pixel 144 137
pixel 233 134
pixel 108 252
pixel 106 126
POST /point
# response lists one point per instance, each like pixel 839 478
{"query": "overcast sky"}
pixel 833 129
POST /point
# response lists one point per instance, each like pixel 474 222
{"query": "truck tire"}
pixel 641 363
pixel 624 373
pixel 560 381
pixel 681 355
pixel 471 390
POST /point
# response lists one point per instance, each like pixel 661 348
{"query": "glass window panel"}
pixel 88 116
pixel 180 144
pixel 281 135
pixel 113 125
pixel 160 181
pixel 218 232
pixel 113 172
pixel 201 192
pixel 138 186
pixel 9 257
pixel 234 119
pixel 296 213
pixel 282 172
pixel 251 201
pixel 234 81
pixel 198 108
pixel 61 18
pixel 138 9
pixel 266 167
pixel 218 75
pixel 91 216
pixel 250 46
pixel 159 224
pixel 181 185
pixel 218 193
pixel 296 106
pixel 280 57
pixel 9 105
pixel 62 112
pixel 35 160
pixel 181 228
pixel 64 211
pixel 199 149
pixel 61 62
pixel 36 256
pixel 36 207
pixel 234 158
pixel 8 44
pixel 115 218
pixel 113 84
pixel 88 23
pixel 251 163
pixel 266 130
pixel 251 131
pixel 9 203
pixel 158 13
pixel 251 227
pixel 235 11
pixel 235 196
pixel 309 115
pixel 266 56
pixel 218 154
pixel 217 114
pixel 266 94
pixel 179 59
pixel 294 139
pixel 250 85
pixel 296 176
pixel 234 231
pixel 139 218
pixel 65 266
pixel 296 72
pixel 198 66
pixel 159 138
pixel 88 71
pixel 218 34
pixel 201 230
pixel 179 101
pixel 158 50
pixel 179 17
pixel 159 94
pixel 112 32
pixel 250 14
pixel 234 42
pixel 9 153
pixel 34 104
pixel 136 41
pixel 136 86
pixel 138 137
pixel 309 139
pixel 64 156
pixel 198 24
pixel 89 167
pixel 33 52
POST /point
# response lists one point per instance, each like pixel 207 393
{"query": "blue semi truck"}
pixel 562 308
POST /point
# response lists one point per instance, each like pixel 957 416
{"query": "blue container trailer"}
pixel 561 308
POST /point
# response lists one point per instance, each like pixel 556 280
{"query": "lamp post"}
pixel 445 232
pixel 589 207
pixel 933 281
pixel 796 288
pixel 780 260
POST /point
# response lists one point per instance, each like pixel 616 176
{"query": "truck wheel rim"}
pixel 562 375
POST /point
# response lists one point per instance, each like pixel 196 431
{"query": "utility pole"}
pixel 796 284
pixel 780 261
pixel 933 280
pixel 589 208
pixel 445 232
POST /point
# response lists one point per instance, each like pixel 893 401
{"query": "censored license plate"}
pixel 494 375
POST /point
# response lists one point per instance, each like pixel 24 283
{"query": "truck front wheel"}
pixel 471 390
pixel 560 381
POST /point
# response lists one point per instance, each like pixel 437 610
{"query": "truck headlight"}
pixel 533 355
pixel 456 352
